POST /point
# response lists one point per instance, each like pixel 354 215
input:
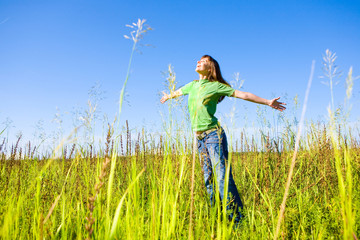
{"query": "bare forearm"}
pixel 250 97
pixel 175 94
pixel 274 103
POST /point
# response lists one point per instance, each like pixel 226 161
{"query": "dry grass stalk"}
pixel 2 145
pixel 33 152
pixel 71 151
pixel 14 149
pixel 29 150
pixel 51 209
pixel 287 186
pixel 103 173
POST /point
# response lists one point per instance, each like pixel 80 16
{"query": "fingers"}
pixel 278 105
pixel 164 97
pixel 280 108
pixel 276 100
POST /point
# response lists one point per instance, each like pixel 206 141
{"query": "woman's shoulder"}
pixel 193 82
pixel 224 85
pixel 190 85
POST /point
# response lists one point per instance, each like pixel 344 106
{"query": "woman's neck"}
pixel 202 77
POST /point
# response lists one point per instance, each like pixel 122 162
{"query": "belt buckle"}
pixel 204 134
pixel 201 136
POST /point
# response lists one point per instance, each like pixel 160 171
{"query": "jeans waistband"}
pixel 205 133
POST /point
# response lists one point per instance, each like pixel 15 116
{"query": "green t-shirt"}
pixel 202 102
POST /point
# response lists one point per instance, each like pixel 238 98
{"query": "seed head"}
pixel 138 30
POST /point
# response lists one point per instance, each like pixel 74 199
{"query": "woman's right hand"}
pixel 164 98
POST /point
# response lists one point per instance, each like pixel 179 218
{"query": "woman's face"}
pixel 203 66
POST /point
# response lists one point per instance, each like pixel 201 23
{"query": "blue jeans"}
pixel 213 151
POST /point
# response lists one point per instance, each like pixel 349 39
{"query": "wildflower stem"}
pixel 287 186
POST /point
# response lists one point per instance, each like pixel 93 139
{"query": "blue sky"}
pixel 53 52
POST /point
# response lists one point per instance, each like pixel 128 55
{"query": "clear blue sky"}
pixel 53 52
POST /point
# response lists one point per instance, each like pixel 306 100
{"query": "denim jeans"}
pixel 213 151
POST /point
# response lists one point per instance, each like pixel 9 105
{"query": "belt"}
pixel 205 133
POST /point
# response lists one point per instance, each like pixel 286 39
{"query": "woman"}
pixel 204 95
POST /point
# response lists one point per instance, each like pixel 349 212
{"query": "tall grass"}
pixel 142 188
pixel 150 198
pixel 293 160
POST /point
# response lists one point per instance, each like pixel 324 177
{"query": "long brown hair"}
pixel 215 73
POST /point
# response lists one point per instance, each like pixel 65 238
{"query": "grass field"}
pixel 146 194
pixel 140 186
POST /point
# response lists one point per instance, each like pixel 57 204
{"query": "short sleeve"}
pixel 187 88
pixel 225 90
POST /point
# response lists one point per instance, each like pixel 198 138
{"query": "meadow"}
pixel 143 186
pixel 144 191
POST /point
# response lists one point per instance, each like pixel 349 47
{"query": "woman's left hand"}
pixel 277 105
pixel 165 97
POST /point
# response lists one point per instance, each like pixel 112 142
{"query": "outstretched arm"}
pixel 253 98
pixel 175 94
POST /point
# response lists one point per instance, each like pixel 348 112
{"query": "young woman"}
pixel 204 95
